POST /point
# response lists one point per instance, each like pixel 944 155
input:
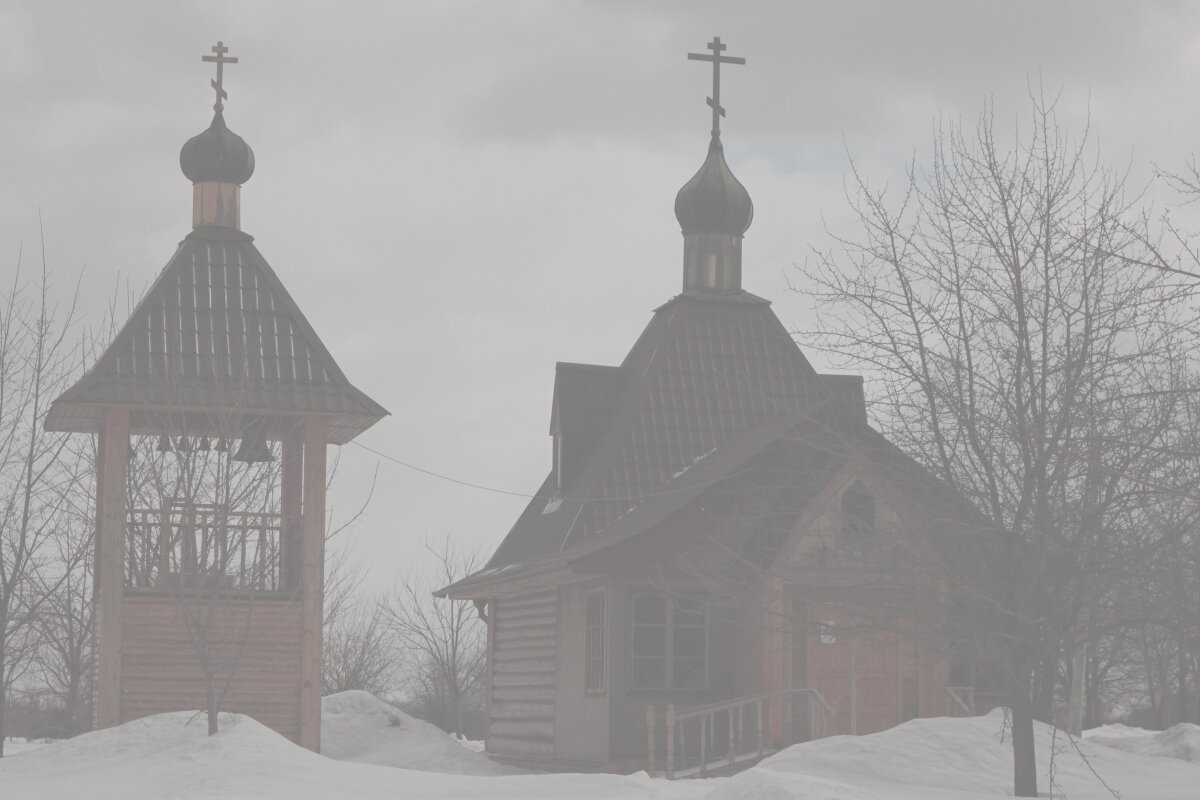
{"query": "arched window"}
pixel 858 510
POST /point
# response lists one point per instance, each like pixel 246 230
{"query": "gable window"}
pixel 670 642
pixel 858 510
pixel 595 646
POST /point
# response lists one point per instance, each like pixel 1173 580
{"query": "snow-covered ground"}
pixel 356 726
pixel 165 757
pixel 956 759
pixel 1181 741
pixel 16 744
pixel 938 759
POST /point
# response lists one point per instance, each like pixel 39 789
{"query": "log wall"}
pixel 256 640
pixel 521 707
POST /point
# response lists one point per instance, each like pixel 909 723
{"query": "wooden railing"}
pixel 722 735
pixel 961 701
pixel 194 546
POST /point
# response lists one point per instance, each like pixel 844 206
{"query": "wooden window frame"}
pixel 595 664
pixel 858 526
pixel 668 658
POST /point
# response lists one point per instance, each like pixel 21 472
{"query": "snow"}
pixel 169 755
pixel 959 759
pixel 16 744
pixel 695 461
pixel 357 726
pixel 1181 741
pixel 936 759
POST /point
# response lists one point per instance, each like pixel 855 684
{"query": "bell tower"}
pixel 213 408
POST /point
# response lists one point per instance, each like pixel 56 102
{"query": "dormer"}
pixel 584 398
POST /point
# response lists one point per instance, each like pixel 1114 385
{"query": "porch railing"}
pixel 960 701
pixel 722 735
pixel 196 546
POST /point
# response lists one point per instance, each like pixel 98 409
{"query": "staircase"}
pixel 727 737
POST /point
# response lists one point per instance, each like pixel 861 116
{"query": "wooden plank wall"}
pixel 521 722
pixel 160 671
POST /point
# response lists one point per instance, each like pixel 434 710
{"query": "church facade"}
pixel 716 564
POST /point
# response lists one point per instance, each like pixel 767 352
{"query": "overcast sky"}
pixel 460 194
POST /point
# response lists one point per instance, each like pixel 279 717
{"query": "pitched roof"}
pixel 713 380
pixel 217 330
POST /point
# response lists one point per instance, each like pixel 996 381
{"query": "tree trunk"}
pixel 1183 683
pixel 210 700
pixel 1024 753
pixel 3 707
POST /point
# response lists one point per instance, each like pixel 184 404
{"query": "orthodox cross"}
pixel 220 59
pixel 717 60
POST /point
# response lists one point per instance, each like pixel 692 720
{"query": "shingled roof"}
pixel 713 380
pixel 217 330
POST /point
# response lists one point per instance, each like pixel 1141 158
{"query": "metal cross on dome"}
pixel 218 83
pixel 717 60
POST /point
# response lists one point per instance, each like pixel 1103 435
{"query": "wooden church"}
pixel 711 569
pixel 213 408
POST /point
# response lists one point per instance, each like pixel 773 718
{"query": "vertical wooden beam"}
pixel 489 664
pixel 773 646
pixel 854 684
pixel 292 506
pixel 312 580
pixel 651 760
pixel 670 725
pixel 112 474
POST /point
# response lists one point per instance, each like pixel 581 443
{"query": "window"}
pixel 594 655
pixel 670 642
pixel 858 510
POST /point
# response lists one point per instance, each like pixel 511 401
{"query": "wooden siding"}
pixel 581 718
pixel 523 667
pixel 260 640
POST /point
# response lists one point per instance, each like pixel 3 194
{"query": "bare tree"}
pixel 64 662
pixel 443 642
pixel 358 650
pixel 204 528
pixel 1008 306
pixel 39 474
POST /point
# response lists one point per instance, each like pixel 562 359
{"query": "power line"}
pixel 495 490
pixel 440 476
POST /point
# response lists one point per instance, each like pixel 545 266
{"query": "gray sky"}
pixel 460 194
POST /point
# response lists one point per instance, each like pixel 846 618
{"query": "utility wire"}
pixel 440 476
pixel 495 490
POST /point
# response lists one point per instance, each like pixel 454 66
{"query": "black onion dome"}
pixel 217 154
pixel 714 201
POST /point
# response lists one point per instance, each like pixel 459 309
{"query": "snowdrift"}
pixel 963 759
pixel 169 755
pixel 1180 741
pixel 357 726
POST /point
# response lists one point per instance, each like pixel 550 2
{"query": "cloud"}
pixel 459 194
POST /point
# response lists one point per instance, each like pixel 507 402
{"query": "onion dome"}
pixel 714 201
pixel 218 154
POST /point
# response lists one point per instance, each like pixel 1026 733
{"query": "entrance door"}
pixel 856 668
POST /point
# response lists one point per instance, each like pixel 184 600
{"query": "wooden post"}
pixel 312 576
pixel 670 725
pixel 110 565
pixel 854 685
pixel 761 744
pixel 732 737
pixel 651 766
pixel 291 494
